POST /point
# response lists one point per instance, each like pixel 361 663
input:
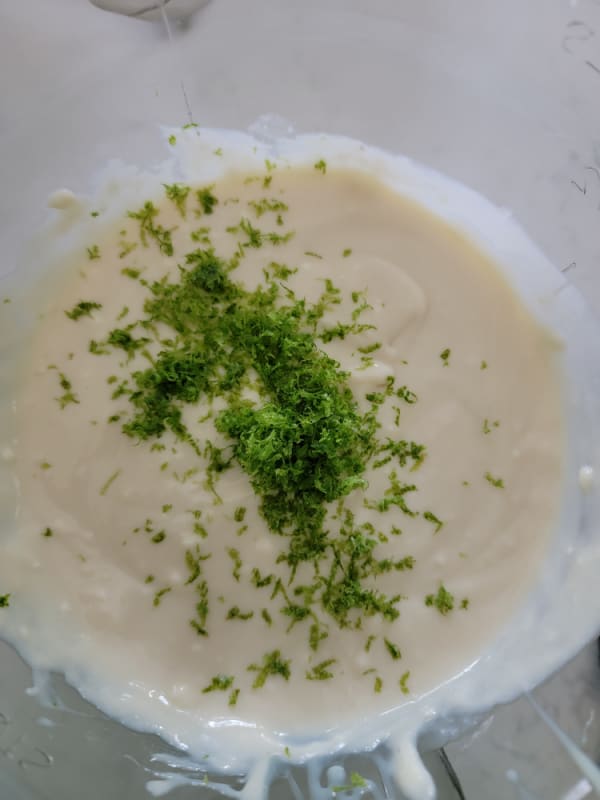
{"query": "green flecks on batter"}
pixel 68 396
pixel 488 426
pixel 236 613
pixel 403 682
pixel 207 200
pixel 497 483
pixel 392 649
pixel 178 194
pixel 443 600
pixel 264 205
pixel 83 309
pixel 220 683
pixel 151 230
pixel 431 517
pixel 158 596
pixel 321 671
pixel 273 665
pixel 109 481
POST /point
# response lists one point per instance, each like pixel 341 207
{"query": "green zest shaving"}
pixel 443 600
pixel 68 396
pixel 220 683
pixel 498 483
pixel 83 309
pixel 272 665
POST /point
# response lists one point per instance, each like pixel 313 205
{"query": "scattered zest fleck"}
pixel 207 200
pixel 403 682
pixel 272 665
pixel 93 252
pixel 392 649
pixel 233 697
pixel 487 426
pixel 445 355
pixel 320 672
pixel 68 395
pixel 321 166
pixel 356 782
pixel 160 594
pixel 108 483
pixel 220 683
pixel 83 309
pixel 178 194
pixel 498 483
pixel 443 600
pixel 431 517
pixel 4 600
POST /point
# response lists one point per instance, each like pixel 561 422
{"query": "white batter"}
pixel 99 581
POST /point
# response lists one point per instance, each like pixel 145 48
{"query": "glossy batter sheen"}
pixel 108 595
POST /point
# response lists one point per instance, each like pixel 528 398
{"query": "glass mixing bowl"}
pixel 501 96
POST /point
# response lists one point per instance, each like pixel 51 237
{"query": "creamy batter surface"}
pixel 289 453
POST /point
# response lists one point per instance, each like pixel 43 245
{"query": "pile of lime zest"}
pixel 304 443
pixel 306 446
